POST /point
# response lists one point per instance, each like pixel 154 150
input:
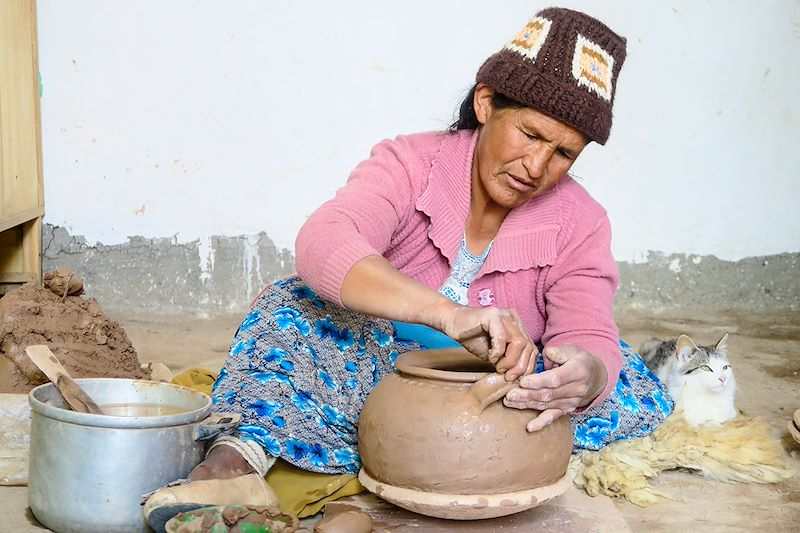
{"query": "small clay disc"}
pixel 794 431
pixel 354 521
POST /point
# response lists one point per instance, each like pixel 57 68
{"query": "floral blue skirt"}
pixel 300 369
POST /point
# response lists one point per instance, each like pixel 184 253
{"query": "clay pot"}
pixel 436 439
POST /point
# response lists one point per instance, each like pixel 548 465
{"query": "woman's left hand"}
pixel 576 380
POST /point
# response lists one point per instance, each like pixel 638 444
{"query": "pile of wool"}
pixel 742 450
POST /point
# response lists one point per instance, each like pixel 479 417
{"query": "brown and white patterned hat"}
pixel 565 64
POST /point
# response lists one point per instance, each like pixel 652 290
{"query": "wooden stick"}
pixel 55 372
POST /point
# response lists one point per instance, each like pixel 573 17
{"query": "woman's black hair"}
pixel 468 120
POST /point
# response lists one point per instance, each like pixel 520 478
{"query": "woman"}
pixel 479 235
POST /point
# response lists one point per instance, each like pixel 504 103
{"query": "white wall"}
pixel 196 117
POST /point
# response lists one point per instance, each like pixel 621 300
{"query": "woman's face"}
pixel 521 153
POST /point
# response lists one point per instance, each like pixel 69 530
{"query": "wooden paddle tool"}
pixel 55 371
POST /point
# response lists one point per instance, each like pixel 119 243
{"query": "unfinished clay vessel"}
pixel 436 439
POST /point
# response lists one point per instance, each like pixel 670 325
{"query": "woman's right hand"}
pixel 374 287
pixel 496 335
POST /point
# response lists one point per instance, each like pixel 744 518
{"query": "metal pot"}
pixel 89 472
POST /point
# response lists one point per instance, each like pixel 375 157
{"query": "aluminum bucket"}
pixel 89 472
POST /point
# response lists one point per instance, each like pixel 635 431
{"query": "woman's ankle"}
pixel 222 462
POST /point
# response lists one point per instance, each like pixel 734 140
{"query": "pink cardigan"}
pixel 551 259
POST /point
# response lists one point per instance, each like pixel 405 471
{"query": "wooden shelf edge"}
pixel 17 277
pixel 22 217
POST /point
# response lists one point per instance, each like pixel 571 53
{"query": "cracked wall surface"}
pixel 221 275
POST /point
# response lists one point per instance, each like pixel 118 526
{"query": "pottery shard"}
pixel 87 342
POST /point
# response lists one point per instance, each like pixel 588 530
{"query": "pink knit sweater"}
pixel 551 258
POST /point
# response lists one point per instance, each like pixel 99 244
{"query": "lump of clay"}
pixel 87 342
pixel 353 521
pixel 63 282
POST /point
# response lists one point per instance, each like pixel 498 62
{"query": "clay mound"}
pixel 87 342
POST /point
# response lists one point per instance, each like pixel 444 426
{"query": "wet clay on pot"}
pixel 436 439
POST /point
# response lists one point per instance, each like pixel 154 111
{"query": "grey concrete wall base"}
pixel 680 281
pixel 221 275
pixel 162 276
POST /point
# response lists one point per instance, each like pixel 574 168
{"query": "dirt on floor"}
pixel 764 350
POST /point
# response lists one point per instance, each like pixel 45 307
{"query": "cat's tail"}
pixel 648 348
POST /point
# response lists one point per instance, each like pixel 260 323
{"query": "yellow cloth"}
pixel 198 379
pixel 305 493
pixel 299 492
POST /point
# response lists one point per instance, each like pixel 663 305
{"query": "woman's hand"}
pixel 575 382
pixel 496 335
pixel 374 287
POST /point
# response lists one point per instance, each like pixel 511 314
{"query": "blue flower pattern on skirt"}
pixel 638 405
pixel 299 372
pixel 286 317
pixel 300 369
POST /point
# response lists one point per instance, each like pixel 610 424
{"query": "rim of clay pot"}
pixel 444 365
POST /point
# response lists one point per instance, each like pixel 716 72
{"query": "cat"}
pixel 699 378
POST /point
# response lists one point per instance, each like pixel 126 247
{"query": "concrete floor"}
pixel 764 351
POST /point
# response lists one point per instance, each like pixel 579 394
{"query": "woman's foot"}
pixel 222 462
pixel 223 478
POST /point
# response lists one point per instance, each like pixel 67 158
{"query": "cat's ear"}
pixel 684 347
pixel 722 344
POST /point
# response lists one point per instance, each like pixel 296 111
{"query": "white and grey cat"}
pixel 699 378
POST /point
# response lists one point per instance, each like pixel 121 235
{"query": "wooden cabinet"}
pixel 21 190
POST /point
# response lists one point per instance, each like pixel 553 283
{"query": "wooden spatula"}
pixel 55 371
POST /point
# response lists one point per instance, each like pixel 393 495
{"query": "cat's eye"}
pixel 726 367
pixel 706 368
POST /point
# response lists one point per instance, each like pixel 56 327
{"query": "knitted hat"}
pixel 563 63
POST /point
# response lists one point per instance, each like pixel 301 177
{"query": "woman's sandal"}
pixel 165 503
pixel 220 519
